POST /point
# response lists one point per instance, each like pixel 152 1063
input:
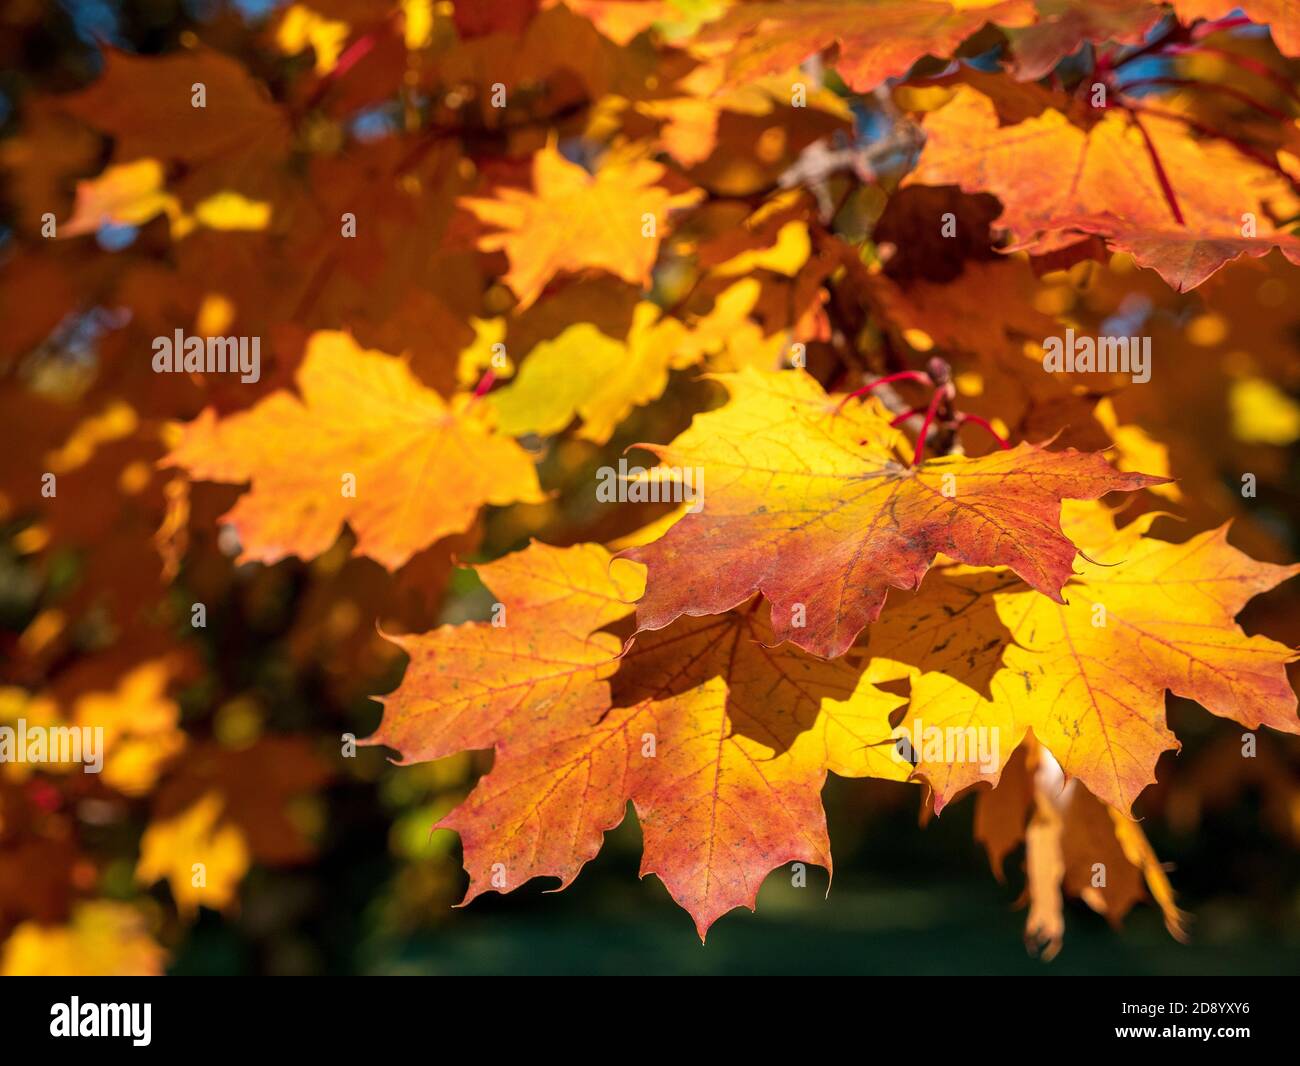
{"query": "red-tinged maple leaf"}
pixel 148 105
pixel 821 513
pixel 1065 26
pixel 878 39
pixel 366 444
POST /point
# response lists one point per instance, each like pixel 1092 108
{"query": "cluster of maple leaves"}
pixel 487 248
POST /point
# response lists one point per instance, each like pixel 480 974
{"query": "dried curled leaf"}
pixel 1075 846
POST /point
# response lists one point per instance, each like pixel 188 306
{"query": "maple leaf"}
pixel 982 311
pixel 1048 172
pixel 574 220
pixel 878 39
pixel 721 742
pixel 132 194
pixel 474 685
pixel 1088 675
pixel 1184 257
pixel 823 515
pixel 140 725
pixel 421 468
pixel 379 189
pixel 1064 26
pixel 147 104
pixel 218 794
pixel 587 373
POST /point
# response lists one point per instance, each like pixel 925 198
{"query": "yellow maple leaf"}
pixel 1087 675
pixel 600 379
pixel 202 859
pixel 1138 450
pixel 141 726
pixel 131 194
pixel 366 444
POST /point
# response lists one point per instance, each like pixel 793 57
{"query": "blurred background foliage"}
pixel 340 872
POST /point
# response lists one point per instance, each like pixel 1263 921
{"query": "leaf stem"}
pixel 1003 443
pixel 925 426
pixel 902 375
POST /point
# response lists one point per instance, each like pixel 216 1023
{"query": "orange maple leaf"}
pixel 573 220
pixel 1184 257
pixel 1049 172
pixel 878 39
pixel 475 685
pixel 721 741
